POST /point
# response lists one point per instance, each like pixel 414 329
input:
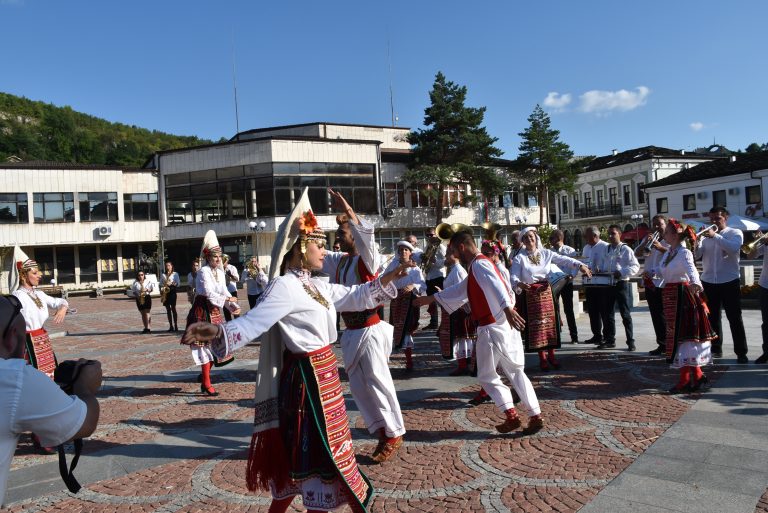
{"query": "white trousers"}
pixel 366 360
pixel 501 346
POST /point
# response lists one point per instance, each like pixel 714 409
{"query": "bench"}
pixel 53 290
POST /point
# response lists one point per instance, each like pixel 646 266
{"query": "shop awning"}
pixel 635 235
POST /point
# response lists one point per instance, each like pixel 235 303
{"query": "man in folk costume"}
pixel 211 297
pixel 302 442
pixel 457 331
pixel 24 277
pixel 403 314
pixel 367 340
pixel 498 336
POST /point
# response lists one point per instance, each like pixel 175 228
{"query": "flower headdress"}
pixel 210 245
pixel 684 230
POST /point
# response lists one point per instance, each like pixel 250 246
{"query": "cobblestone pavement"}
pixel 602 410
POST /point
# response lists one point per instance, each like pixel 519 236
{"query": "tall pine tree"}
pixel 544 161
pixel 453 150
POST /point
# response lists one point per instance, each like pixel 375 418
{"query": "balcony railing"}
pixel 597 211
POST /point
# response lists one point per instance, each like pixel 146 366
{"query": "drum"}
pixel 557 280
pixel 599 280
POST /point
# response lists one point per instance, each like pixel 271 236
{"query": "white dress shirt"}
pixel 619 258
pixel 720 256
pixel 254 283
pixel 593 255
pixel 33 316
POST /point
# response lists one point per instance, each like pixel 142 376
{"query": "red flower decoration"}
pixel 19 265
pixel 307 222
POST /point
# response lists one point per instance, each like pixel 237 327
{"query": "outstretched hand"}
pixel 340 204
pixel 200 332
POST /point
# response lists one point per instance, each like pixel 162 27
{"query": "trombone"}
pixel 757 243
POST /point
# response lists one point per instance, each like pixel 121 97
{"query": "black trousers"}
pixel 764 311
pixel 593 296
pixel 616 297
pixel 728 296
pixel 252 298
pixel 431 289
pixel 656 307
pixel 566 295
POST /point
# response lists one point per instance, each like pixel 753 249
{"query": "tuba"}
pixel 490 230
pixel 430 252
pixel 445 231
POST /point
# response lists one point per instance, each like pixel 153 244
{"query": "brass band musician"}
pixel 142 288
pixel 169 283
pixel 255 280
pixel 654 247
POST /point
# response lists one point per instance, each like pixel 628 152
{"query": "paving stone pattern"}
pixel 602 410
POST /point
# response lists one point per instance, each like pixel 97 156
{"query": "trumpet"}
pixel 651 241
pixel 757 243
pixel 710 227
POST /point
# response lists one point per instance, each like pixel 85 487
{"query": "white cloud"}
pixel 599 102
pixel 697 126
pixel 557 101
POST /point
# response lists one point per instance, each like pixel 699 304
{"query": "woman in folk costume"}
pixel 211 296
pixel 24 277
pixel 302 442
pixel 169 284
pixel 689 333
pixel 537 306
pixel 142 290
pixel 457 331
pixel 402 315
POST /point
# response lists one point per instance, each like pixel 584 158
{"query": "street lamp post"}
pixel 637 218
pixel 256 227
pixel 520 219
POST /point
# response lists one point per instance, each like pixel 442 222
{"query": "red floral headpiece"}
pixel 27 264
pixel 307 223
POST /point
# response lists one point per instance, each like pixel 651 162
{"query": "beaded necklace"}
pixel 33 296
pixel 535 258
pixel 303 276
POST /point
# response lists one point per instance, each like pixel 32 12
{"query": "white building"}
pixel 738 183
pixel 610 190
pixel 257 175
pixel 86 225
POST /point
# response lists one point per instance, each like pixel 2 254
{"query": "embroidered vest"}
pixel 366 318
pixel 481 311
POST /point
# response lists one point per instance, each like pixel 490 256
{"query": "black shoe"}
pixel 630 346
pixel 594 340
pixel 211 392
pixel 430 326
pixel 762 359
pixel 606 345
pixel 700 383
pixel 170 330
pixel 145 331
pixel 675 390
pixel 575 341
pixel 742 358
pixel 717 354
pixel 657 352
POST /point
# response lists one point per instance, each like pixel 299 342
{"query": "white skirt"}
pixel 694 354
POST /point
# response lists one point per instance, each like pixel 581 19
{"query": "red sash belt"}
pixel 360 320
pixel 36 333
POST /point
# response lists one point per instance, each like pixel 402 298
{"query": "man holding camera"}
pixel 31 401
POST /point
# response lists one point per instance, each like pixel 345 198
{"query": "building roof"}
pixel 284 127
pixel 49 164
pixel 744 163
pixel 638 155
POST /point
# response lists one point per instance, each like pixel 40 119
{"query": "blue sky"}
pixel 612 74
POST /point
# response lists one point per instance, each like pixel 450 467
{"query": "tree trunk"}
pixel 543 204
pixel 439 205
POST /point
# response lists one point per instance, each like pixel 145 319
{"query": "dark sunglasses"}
pixel 16 303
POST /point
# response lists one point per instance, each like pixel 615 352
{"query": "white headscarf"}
pixel 527 229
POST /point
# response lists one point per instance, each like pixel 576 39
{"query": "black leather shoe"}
pixel 594 340
pixel 700 383
pixel 762 359
pixel 675 390
pixel 606 345
pixel 631 346
pixel 657 352
pixel 717 354
pixel 742 358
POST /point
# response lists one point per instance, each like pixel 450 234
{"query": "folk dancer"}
pixel 367 340
pixel 457 331
pixel 211 297
pixel 592 255
pixel 653 283
pixel 231 276
pixel 255 280
pixel 168 294
pixel 498 337
pixel 689 333
pixel 191 278
pixel 403 314
pixel 719 252
pixel 302 443
pixel 556 241
pixel 619 259
pixel 537 304
pixel 142 293
pixel 758 251
pixel 25 276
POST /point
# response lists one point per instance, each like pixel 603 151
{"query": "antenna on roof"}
pixel 234 86
pixel 391 94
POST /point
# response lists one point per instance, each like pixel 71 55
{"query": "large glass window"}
pixel 753 194
pixel 662 206
pixel 627 192
pixel 387 240
pixel 454 196
pixel 576 201
pixel 98 206
pixel 54 207
pixel 600 199
pixel 564 204
pixel 14 208
pixel 44 259
pixel 719 199
pixel 420 196
pixel 640 193
pixel 140 207
pixel 394 195
pixel 108 262
pixel 689 202
pixel 588 199
pixel 65 264
pixel 88 273
pixel 130 261
pixel 613 196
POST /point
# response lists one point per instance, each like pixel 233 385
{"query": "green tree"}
pixel 756 148
pixel 545 162
pixel 454 149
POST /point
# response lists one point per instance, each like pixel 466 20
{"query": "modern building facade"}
pixel 738 183
pixel 256 178
pixel 611 190
pixel 88 226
